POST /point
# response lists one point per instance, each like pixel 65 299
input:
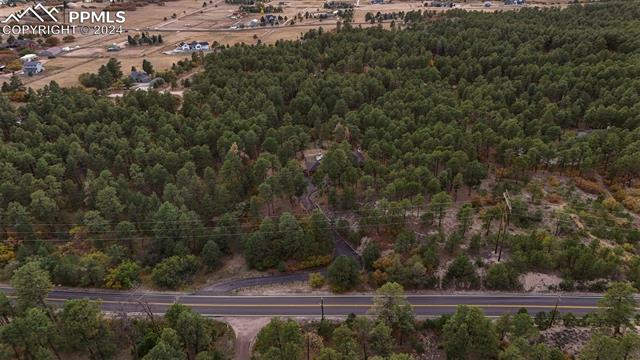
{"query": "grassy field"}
pixel 188 20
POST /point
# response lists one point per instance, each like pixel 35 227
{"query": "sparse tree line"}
pixel 379 16
pixel 144 39
pixel 110 75
pixel 260 8
pixel 391 332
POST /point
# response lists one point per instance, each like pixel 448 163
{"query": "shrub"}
pixel 370 255
pixel 588 186
pixel 611 204
pixel 175 271
pixel 343 274
pixel 632 204
pixel 211 254
pixel 462 274
pixel 316 280
pixel 502 277
pixel 311 262
pixel 6 255
pixel 52 41
pixel 555 198
pixel 123 276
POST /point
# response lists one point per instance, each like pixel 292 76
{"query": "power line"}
pixel 276 232
pixel 360 211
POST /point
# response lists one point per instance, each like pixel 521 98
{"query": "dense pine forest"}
pixel 422 127
pixel 454 151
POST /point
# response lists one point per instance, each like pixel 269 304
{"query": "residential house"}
pixel 183 47
pixel 312 163
pixel 271 19
pixel 32 67
pixel 193 46
pixel 139 77
pixel 199 46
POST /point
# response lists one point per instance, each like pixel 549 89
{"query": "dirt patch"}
pixel 569 340
pixel 246 329
pixel 234 267
pixel 539 282
pixel 293 288
pixel 431 351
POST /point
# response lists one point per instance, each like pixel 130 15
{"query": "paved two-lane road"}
pixel 334 305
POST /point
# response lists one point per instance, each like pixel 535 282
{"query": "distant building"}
pixel 442 3
pixel 26 43
pixel 312 162
pixel 32 67
pixel 271 19
pixel 322 15
pixel 20 43
pixel 50 52
pixel 139 77
pixel 193 46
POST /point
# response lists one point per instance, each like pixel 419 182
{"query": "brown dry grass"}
pixel 191 16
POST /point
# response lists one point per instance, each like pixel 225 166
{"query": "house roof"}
pixel 22 42
pixel 30 64
pixel 358 156
pixel 140 76
pixel 52 51
pixel 139 73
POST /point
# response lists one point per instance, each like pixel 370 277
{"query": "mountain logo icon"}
pixel 36 12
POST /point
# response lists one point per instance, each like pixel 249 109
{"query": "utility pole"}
pixel 555 311
pixel 507 215
pixel 502 217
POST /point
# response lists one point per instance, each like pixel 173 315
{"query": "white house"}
pixel 32 67
pixel 193 46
